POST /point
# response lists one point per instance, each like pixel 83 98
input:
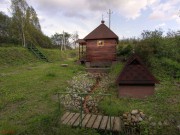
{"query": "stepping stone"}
pixel 64 65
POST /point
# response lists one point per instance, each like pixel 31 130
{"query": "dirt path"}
pixel 86 109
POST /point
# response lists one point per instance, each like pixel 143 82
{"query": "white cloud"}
pixel 164 11
pixel 160 25
pixel 130 9
pixel 5 6
pixel 84 15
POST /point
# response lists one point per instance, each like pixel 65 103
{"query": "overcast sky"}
pixel 129 17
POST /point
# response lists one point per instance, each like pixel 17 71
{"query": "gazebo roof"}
pixel 81 41
pixel 135 72
pixel 101 32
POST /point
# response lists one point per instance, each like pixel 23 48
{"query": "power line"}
pixel 109 13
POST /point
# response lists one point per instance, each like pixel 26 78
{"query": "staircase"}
pixel 37 52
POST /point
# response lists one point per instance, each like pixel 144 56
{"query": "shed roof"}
pixel 135 72
pixel 101 32
pixel 81 41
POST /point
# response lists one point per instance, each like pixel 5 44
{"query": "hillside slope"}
pixel 12 56
pixel 16 56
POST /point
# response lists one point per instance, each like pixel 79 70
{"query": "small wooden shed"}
pixel 135 80
pixel 100 46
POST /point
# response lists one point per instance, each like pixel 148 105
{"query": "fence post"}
pixel 81 112
pixel 59 103
pixel 81 106
pixel 110 119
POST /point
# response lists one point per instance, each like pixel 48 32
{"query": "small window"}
pixel 100 42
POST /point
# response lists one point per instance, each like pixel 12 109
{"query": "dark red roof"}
pixel 135 72
pixel 81 41
pixel 101 32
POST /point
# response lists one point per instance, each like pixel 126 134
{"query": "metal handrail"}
pixel 83 94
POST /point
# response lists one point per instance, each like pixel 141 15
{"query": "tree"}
pixel 6 30
pixel 66 42
pixel 74 38
pixel 32 18
pixel 19 11
pixel 57 39
pixel 4 24
pixel 61 40
pixel 4 27
pixel 26 24
pixel 146 34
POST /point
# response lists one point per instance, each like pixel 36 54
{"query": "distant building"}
pixel 98 48
pixel 135 80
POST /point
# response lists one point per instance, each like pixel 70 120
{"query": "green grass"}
pixel 13 56
pixel 57 55
pixel 18 56
pixel 27 92
pixel 28 104
pixel 28 87
pixel 163 105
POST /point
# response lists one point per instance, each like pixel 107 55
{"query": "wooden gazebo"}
pixel 98 48
pixel 101 46
pixel 82 50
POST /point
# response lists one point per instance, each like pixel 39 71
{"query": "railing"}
pixel 36 51
pixel 81 108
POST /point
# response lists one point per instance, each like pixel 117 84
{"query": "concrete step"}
pixel 98 70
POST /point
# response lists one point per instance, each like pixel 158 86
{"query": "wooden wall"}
pixel 135 91
pixel 101 53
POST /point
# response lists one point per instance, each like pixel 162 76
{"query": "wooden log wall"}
pixel 101 53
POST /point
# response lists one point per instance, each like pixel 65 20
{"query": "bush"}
pixel 124 50
pixel 172 67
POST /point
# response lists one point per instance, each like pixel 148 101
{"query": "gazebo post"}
pixel 82 50
pixel 81 43
pixel 79 51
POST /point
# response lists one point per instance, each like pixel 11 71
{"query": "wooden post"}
pixel 81 111
pixel 82 50
pixel 79 51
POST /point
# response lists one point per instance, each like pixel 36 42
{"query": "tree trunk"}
pixel 23 34
pixel 65 43
pixel 61 46
pixel 24 39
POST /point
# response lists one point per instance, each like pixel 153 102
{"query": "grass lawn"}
pixel 27 92
pixel 28 104
pixel 163 105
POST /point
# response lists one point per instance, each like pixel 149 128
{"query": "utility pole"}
pixel 109 13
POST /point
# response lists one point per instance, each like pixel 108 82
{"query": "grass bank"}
pixel 162 106
pixel 28 104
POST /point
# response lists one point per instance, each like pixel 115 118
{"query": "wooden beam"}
pixel 82 51
pixel 68 118
pixel 64 116
pixel 73 119
pixel 117 124
pixel 104 123
pixel 97 122
pixel 86 119
pixel 77 122
pixel 91 121
pixel 79 51
pixel 110 124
